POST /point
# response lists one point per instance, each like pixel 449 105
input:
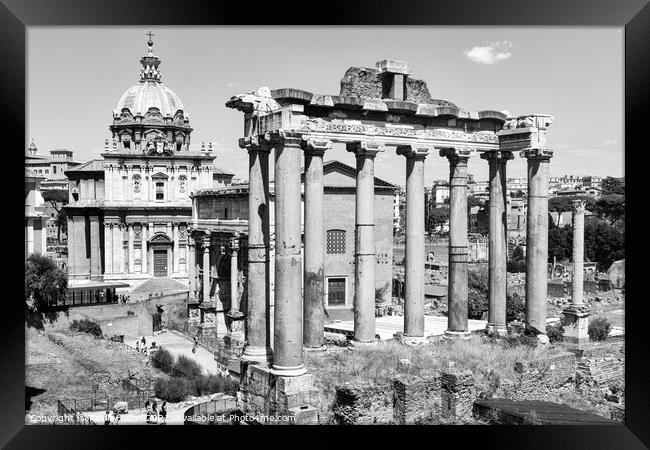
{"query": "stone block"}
pixel 294 384
pixel 304 415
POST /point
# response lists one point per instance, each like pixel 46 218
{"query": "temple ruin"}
pixel 376 108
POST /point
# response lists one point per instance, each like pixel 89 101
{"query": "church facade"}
pixel 130 210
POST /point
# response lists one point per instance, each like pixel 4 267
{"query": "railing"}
pixel 70 415
pixel 135 399
pixel 206 413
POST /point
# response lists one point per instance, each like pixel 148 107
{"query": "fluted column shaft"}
pixel 234 297
pixel 457 288
pixel 537 239
pixel 415 245
pixel 314 268
pixel 497 250
pixel 288 314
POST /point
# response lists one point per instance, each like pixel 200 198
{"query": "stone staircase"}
pixel 155 286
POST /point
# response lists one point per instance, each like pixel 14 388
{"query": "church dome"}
pixel 150 92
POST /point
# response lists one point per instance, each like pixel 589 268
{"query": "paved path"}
pixel 175 416
pixel 387 326
pixel 180 345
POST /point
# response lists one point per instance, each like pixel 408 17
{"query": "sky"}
pixel 76 75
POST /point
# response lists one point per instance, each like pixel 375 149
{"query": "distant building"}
pixel 51 168
pixel 222 178
pixel 35 219
pixel 440 192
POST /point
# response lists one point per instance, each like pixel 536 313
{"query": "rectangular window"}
pixel 335 242
pixel 54 170
pixel 336 291
pixel 160 190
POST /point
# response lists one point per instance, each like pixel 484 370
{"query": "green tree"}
pixel 611 185
pixel 611 207
pixel 565 204
pixel 437 217
pixel 45 285
pixel 58 198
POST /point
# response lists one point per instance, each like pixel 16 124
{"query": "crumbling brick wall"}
pixel 415 398
pixel 363 403
pixel 540 379
pixel 599 371
pixel 458 392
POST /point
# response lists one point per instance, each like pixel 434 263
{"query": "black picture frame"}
pixel 634 15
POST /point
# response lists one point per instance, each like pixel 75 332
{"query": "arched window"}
pixel 182 183
pixel 335 241
pixel 136 183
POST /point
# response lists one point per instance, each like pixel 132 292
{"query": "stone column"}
pixel 235 313
pixel 176 247
pixel 258 339
pixel 191 261
pixel 364 257
pixel 206 269
pixel 537 239
pixel 457 288
pixel 577 284
pixel 131 254
pixel 498 240
pixel 144 254
pixel 287 333
pixel 415 246
pixel 576 315
pixel 95 250
pixel 314 264
pixel 108 248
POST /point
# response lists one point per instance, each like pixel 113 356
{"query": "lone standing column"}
pixel 577 284
pixel 576 315
pixel 364 254
pixel 537 238
pixel 258 338
pixel 287 343
pixel 457 290
pixel 414 268
pixel 206 269
pixel 498 228
pixel 314 270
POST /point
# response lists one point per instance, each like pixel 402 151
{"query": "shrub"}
pixel 515 307
pixel 555 332
pixel 477 304
pixel 599 329
pixel 173 389
pixel 516 266
pixel 210 384
pixel 188 366
pixel 163 359
pixel 478 279
pixel 86 326
pixel 528 340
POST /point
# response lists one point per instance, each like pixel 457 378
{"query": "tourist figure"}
pixel 196 343
pixel 144 344
pixel 147 406
pixel 107 418
pixel 154 409
pixel 163 413
pixel 137 345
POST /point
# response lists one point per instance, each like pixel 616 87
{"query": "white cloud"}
pixel 234 84
pixel 491 53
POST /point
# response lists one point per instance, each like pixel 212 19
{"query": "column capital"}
pixel 316 146
pixel 254 144
pixel 364 148
pixel 579 205
pixel 497 156
pixel 456 154
pixel 206 241
pixel 287 138
pixel 537 153
pixel 417 151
